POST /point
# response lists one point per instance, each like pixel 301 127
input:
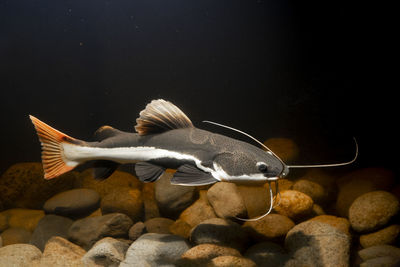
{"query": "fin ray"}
pixel 189 175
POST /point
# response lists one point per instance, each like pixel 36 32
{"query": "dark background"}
pixel 307 71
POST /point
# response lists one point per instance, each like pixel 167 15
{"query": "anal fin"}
pixel 147 172
pixel 190 175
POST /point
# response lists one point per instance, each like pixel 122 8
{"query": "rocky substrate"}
pixel 322 220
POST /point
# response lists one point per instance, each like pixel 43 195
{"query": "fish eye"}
pixel 262 167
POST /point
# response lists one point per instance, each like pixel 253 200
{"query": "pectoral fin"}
pixel 190 175
pixel 147 172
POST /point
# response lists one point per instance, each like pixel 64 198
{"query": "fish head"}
pixel 249 165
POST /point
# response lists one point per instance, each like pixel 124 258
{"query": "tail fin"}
pixel 53 160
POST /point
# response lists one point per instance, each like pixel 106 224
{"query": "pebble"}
pixel 149 202
pixel 326 181
pixel 15 236
pixel 271 227
pixel 231 261
pixel 221 232
pixel 106 252
pixel 372 210
pixel 382 262
pixel 311 189
pixel 137 230
pixel 384 236
pixel 256 199
pixel 20 255
pixel 342 224
pixel 49 226
pixel 379 251
pixel 158 225
pixel 267 254
pixel 294 204
pixel 155 250
pixel 124 200
pixel 85 232
pixel 73 203
pixel 313 243
pixel 202 254
pixel 23 218
pixel 60 252
pixel 285 148
pixel 22 186
pixel 226 200
pixel 173 199
pixel 358 183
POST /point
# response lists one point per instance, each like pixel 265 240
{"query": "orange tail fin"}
pixel 53 160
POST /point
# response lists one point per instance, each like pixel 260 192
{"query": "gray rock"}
pixel 314 243
pixel 107 252
pixel 221 232
pixel 85 232
pixel 49 226
pixel 155 250
pixel 379 251
pixel 386 261
pixel 373 210
pixel 173 199
pixel 137 230
pixel 59 252
pixel 267 254
pixel 226 200
pixel 73 203
pixel 20 255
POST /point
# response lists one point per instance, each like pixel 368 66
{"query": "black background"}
pixel 315 72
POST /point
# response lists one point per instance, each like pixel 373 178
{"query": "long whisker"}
pixel 271 206
pixel 277 194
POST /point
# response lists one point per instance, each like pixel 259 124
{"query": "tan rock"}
pixel 311 189
pixel 385 236
pixel 59 252
pixel 339 223
pixel 202 254
pixel 294 204
pixel 379 251
pixel 199 211
pixel 21 255
pixel 181 228
pixel 149 202
pixel 271 227
pixel 124 200
pixel 158 225
pixel 231 261
pixel 256 199
pixel 285 148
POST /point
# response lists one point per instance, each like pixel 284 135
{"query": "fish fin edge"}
pixel 188 175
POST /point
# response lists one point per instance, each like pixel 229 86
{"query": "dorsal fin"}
pixel 105 132
pixel 160 116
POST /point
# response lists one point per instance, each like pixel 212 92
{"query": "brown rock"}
pixel 311 189
pixel 137 230
pixel 386 261
pixel 202 254
pixel 285 148
pixel 379 251
pixel 181 228
pixel 21 218
pixel 15 236
pixel 24 255
pixel 231 261
pixel 226 200
pixel 294 204
pixel 267 254
pixel 59 252
pixel 149 202
pixel 326 181
pixel 23 186
pixel 158 225
pixel 385 236
pixel 271 227
pixel 256 199
pixel 342 224
pixel 372 210
pixel 124 200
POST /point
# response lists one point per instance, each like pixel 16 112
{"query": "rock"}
pixel 172 199
pixel 119 179
pixel 20 255
pixel 202 254
pixel 256 199
pixel 73 203
pixel 372 210
pixel 49 226
pixel 181 228
pixel 317 210
pixel 271 227
pixel 267 254
pixel 155 250
pixel 124 200
pixel 1 241
pixel 59 252
pixel 358 183
pixel 226 200
pixel 20 218
pixel 231 261
pixel 221 232
pixel 385 236
pixel 149 202
pixel 382 262
pixel 137 230
pixel 311 189
pixel 106 252
pixel 314 243
pixel 342 224
pixel 294 204
pixel 158 225
pixel 285 148
pixel 379 251
pixel 85 232
pixel 22 186
pixel 15 236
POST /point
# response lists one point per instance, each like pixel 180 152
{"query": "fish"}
pixel 165 138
